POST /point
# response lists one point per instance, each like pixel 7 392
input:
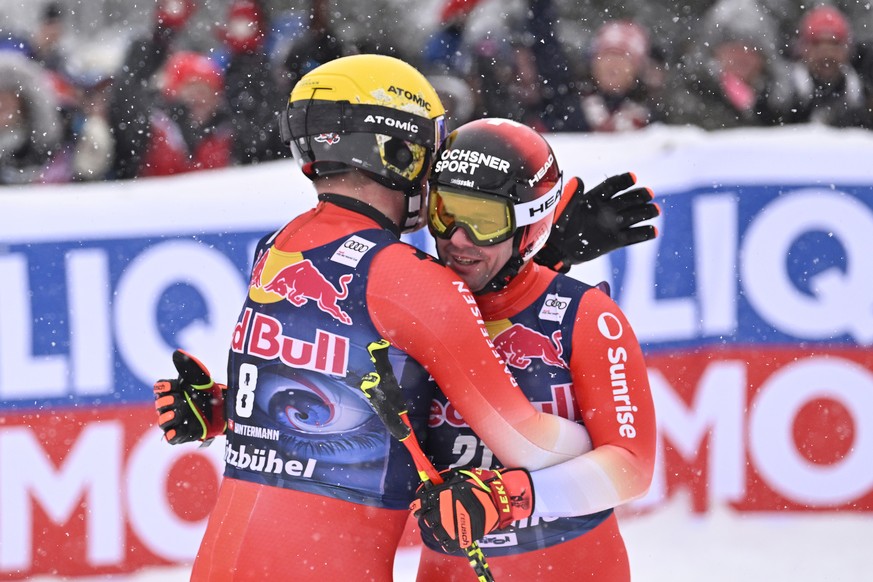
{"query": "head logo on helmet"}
pixel 386 119
pixel 497 160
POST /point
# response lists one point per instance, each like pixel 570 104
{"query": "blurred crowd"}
pixel 159 104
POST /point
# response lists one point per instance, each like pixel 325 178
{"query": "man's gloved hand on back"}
pixel 593 223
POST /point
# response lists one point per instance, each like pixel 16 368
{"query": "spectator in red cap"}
pixel 619 93
pixel 168 112
pixel 824 86
pixel 195 82
pixel 190 127
pixel 825 39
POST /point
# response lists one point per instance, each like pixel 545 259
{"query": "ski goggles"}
pixel 486 220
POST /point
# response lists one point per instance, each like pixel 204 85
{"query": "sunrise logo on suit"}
pixel 279 275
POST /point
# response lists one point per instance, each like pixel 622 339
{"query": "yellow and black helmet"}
pixel 371 112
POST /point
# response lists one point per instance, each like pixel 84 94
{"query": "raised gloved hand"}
pixel 191 407
pixel 471 503
pixel 590 224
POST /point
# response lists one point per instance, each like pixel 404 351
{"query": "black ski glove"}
pixel 191 407
pixel 593 223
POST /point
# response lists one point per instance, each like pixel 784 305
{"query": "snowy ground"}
pixel 723 546
pixel 670 545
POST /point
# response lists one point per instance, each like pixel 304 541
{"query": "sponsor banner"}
pixel 90 322
pixel 750 264
pixel 765 428
pixel 97 491
pixel 753 307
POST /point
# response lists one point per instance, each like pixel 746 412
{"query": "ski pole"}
pixel 385 397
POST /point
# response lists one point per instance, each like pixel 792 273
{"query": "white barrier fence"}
pixel 754 308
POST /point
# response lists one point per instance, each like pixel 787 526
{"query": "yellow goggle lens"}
pixel 486 220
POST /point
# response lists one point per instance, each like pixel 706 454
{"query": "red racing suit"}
pixel 573 353
pixel 314 487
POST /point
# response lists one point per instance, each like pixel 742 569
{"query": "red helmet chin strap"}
pixel 509 271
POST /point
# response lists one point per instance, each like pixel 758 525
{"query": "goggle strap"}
pixel 530 212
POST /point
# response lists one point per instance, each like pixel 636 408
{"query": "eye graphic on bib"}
pixel 317 417
pixel 281 276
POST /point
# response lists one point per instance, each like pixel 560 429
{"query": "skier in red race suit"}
pixel 304 453
pixel 572 351
pixel 314 486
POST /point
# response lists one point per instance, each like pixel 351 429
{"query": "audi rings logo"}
pixel 356 245
pixel 554 307
pixel 609 326
pixel 352 251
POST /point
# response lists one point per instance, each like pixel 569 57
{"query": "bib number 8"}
pixel 245 393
